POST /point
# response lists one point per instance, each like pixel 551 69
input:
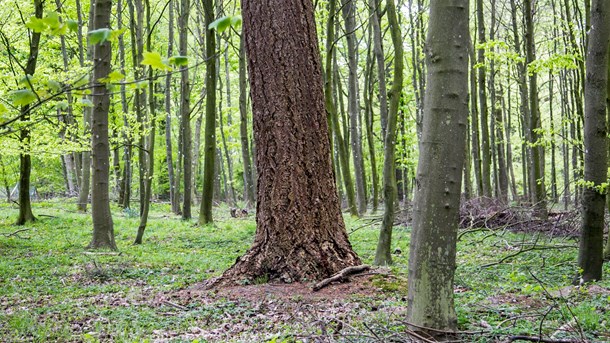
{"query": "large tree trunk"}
pixel 300 231
pixel 590 256
pixel 439 173
pixel 103 231
pixel 384 245
pixel 207 196
pixel 25 159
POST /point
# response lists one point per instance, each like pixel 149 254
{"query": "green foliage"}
pixel 223 23
pixel 99 36
pixel 23 97
pixel 154 60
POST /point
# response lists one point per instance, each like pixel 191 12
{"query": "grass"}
pixel 52 290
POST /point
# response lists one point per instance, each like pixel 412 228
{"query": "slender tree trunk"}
pixel 207 196
pixel 590 255
pixel 384 245
pixel 25 159
pixel 474 119
pixel 185 110
pixel 103 230
pixel 169 153
pixel 125 184
pixel 353 104
pixel 332 110
pixel 537 171
pixel 369 120
pixel 432 258
pixel 380 58
pixel 85 184
pixel 300 231
pixel 243 126
pixel 150 148
pixel 484 113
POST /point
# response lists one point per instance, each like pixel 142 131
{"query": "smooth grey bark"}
pixel 432 258
pixel 380 59
pixel 243 126
pixel 169 158
pixel 25 159
pixel 590 253
pixel 353 103
pixel 383 254
pixel 207 195
pixel 483 108
pixel 125 184
pixel 185 111
pixel 103 229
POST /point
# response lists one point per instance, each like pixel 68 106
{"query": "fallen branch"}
pixel 180 307
pixel 540 339
pixel 16 233
pixel 340 276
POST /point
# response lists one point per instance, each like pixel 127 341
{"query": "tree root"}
pixel 342 275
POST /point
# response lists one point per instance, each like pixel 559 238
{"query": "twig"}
pixel 340 276
pixel 180 307
pixel 16 233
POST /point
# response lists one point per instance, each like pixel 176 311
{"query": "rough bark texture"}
pixel 103 231
pixel 439 172
pixel 384 245
pixel 300 232
pixel 590 256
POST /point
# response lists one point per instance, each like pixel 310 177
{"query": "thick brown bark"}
pixel 25 160
pixel 103 231
pixel 300 231
pixel 432 259
pixel 590 256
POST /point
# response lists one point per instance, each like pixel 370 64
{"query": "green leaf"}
pixel 26 81
pixel 179 60
pixel 99 36
pixel 220 24
pixel 23 97
pixel 54 86
pixel 72 25
pixel 113 77
pixel 52 20
pixel 3 109
pixel 60 31
pixel 36 24
pixel 81 82
pixel 236 20
pixel 154 60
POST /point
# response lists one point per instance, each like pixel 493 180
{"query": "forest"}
pixel 304 171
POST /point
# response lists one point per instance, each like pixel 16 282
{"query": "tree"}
pixel 25 159
pixel 300 232
pixel 590 255
pixel 103 230
pixel 205 214
pixel 383 254
pixel 439 172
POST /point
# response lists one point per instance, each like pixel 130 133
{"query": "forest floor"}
pixel 511 281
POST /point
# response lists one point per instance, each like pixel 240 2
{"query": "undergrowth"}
pixel 53 290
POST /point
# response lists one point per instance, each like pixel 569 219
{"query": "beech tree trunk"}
pixel 300 232
pixel 590 255
pixel 103 230
pixel 384 245
pixel 432 258
pixel 243 126
pixel 25 159
pixel 207 196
